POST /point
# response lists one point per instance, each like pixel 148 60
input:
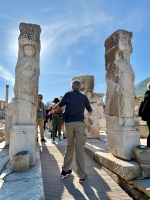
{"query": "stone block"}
pixel 127 170
pixel 87 82
pixel 23 139
pixel 143 185
pixel 142 155
pixel 102 124
pixel 20 163
pixel 121 143
pixel 143 129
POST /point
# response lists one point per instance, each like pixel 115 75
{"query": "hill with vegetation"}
pixel 141 87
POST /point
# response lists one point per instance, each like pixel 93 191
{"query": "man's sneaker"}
pixel 65 174
pixel 59 139
pixel 43 140
pixel 83 180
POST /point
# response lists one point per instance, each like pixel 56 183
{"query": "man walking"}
pixel 75 103
pixel 40 118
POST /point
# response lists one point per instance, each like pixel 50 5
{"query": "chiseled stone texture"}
pixel 143 185
pixel 120 95
pixel 143 129
pixel 20 163
pixel 8 121
pixel 23 139
pixel 4 158
pixel 122 143
pixel 87 82
pixel 22 185
pixel 22 189
pixel 27 73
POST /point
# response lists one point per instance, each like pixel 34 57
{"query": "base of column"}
pixel 121 143
pixel 23 138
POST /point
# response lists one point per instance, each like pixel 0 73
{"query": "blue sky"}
pixel 72 40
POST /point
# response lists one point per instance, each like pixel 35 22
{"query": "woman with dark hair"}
pixel 144 110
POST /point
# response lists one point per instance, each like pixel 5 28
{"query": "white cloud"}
pixel 6 75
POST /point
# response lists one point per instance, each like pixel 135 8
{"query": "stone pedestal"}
pixel 122 142
pixel 22 138
pixel 122 136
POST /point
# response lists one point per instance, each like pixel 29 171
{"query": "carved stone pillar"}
pixel 26 91
pixel 8 121
pixel 122 136
pixel 6 96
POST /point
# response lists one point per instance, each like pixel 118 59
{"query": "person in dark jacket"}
pixel 75 103
pixel 56 121
pixel 144 110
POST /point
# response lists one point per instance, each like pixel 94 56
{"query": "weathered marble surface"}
pixel 23 139
pixel 143 129
pixel 87 82
pixel 127 170
pixel 120 95
pixel 27 73
pixel 8 121
pixel 20 163
pixel 20 185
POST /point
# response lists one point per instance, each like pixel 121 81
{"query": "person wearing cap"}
pixel 41 114
pixel 75 103
pixel 56 121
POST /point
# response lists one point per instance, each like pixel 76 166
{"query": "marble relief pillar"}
pixel 122 136
pixel 6 96
pixel 26 90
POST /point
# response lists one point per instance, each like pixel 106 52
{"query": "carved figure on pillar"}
pixel 120 95
pixel 27 73
pixel 26 83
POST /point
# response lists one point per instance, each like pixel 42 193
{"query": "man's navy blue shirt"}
pixel 77 102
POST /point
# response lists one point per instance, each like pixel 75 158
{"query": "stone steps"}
pixel 125 171
pixel 143 185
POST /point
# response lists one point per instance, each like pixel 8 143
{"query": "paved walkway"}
pixel 99 185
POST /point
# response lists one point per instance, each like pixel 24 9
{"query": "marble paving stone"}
pixel 24 189
pixel 34 172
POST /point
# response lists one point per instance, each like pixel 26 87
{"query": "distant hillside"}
pixel 141 87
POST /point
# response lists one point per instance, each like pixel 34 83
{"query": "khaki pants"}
pixel 76 138
pixel 40 123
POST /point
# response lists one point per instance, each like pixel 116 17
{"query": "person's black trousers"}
pixel 148 138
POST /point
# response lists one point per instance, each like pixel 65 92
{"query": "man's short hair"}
pixel 40 95
pixel 76 84
pixel 148 86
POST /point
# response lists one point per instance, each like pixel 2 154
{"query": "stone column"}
pixel 8 121
pixel 95 99
pixel 6 96
pixel 122 136
pixel 26 91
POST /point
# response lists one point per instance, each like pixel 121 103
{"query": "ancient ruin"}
pixel 27 71
pixel 122 136
pixel 96 101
